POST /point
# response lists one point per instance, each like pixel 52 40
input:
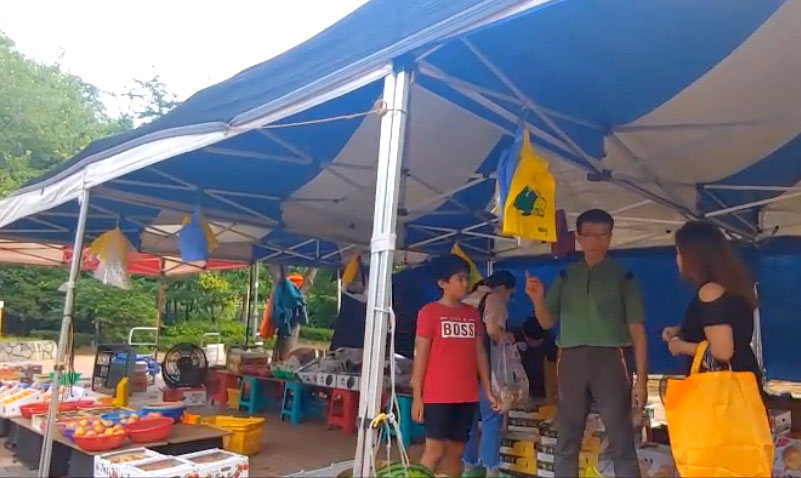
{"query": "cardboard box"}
pixel 188 395
pixel 545 470
pixel 787 458
pixel 309 378
pixel 328 380
pixel 656 461
pixel 521 448
pixel 780 422
pixel 348 382
pixel 218 463
pixel 545 453
pixel 112 465
pixel 526 466
pixel 165 466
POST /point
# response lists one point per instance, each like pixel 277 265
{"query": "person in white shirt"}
pixel 481 456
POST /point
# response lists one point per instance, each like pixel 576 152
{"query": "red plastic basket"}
pixel 81 404
pixel 39 408
pixel 99 443
pixel 149 430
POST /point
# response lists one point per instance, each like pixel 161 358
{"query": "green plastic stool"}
pixel 250 395
pixel 409 429
pixel 291 402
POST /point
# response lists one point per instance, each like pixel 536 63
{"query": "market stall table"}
pixel 70 460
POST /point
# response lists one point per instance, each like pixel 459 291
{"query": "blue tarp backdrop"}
pixel 776 266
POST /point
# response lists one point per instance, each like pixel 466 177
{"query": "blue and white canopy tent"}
pixel 656 111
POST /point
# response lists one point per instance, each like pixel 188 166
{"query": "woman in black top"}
pixel 722 310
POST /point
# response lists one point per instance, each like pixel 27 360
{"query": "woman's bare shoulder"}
pixel 710 292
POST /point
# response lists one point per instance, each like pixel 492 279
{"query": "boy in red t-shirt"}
pixel 448 356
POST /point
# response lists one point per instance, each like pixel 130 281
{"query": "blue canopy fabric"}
pixel 655 111
pixel 665 297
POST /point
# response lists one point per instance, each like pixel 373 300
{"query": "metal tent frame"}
pixel 390 180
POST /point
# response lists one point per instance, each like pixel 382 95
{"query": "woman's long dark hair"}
pixel 708 257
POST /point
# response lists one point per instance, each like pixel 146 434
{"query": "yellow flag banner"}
pixel 111 245
pixel 528 209
pixel 473 275
pixel 350 270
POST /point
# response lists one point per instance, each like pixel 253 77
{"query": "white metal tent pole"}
pixel 254 316
pixel 382 247
pixel 756 339
pixel 61 352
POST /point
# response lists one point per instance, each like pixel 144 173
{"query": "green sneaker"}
pixel 477 472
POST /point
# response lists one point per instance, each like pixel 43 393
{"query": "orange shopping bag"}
pixel 717 424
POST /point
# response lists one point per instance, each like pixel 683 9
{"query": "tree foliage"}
pixel 48 115
pixel 148 100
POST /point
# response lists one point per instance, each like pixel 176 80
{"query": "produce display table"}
pixel 69 460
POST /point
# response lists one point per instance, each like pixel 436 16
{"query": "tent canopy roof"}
pixel 654 111
pixel 147 265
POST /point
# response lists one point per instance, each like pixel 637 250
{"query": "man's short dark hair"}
pixel 501 279
pixel 448 266
pixel 594 216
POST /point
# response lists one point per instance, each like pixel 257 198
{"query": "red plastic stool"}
pixel 342 410
pixel 218 382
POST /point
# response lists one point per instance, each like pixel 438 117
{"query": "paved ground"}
pixel 286 449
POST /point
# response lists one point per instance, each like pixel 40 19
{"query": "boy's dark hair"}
pixel 594 216
pixel 448 266
pixel 501 278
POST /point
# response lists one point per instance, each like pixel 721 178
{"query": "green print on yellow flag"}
pixel 529 209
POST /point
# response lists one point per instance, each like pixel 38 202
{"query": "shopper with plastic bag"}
pixel 508 378
pixel 482 455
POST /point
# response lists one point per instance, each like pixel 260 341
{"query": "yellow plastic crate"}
pixel 233 398
pixel 246 432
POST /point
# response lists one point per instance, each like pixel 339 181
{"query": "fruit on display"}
pixel 128 418
pixel 93 427
pixel 127 457
pixel 14 397
pixel 160 465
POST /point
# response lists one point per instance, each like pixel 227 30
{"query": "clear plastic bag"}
pixel 111 250
pixel 508 377
pixel 113 273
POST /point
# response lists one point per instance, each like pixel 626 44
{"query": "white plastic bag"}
pixel 111 250
pixel 508 377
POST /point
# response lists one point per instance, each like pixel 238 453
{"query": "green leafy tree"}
pixel 46 116
pixel 148 100
pixel 113 312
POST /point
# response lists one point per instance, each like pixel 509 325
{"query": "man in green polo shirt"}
pixel 600 312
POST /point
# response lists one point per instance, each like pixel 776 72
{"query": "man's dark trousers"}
pixel 597 375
